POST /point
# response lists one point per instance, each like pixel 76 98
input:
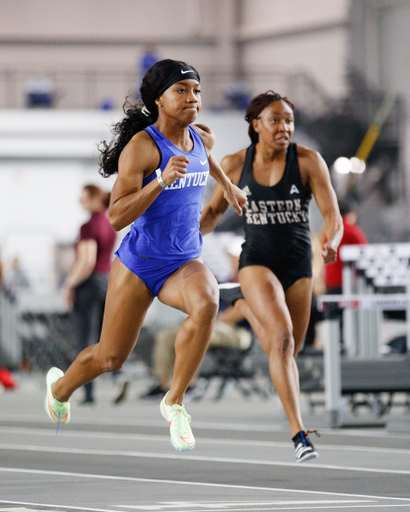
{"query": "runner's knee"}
pixel 205 309
pixel 110 362
pixel 284 345
pixel 113 363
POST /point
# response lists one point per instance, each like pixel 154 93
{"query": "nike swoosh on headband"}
pixel 184 72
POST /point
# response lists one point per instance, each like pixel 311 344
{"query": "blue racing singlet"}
pixel 169 228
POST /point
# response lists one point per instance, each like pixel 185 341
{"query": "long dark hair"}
pixel 138 116
pixel 258 104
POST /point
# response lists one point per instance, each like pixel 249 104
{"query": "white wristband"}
pixel 333 244
pixel 159 178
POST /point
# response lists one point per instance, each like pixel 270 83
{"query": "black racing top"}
pixel 276 218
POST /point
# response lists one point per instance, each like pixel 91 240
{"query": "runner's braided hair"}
pixel 258 104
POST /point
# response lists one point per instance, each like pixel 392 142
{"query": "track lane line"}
pixel 203 440
pixel 191 483
pixel 30 504
pixel 189 458
pixel 118 507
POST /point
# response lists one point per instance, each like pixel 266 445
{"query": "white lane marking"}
pixel 203 440
pixel 242 427
pixel 65 507
pixel 21 509
pixel 30 504
pixel 189 457
pixel 239 427
pixel 316 507
pixel 199 484
pixel 227 505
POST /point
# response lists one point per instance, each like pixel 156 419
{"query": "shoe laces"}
pixel 59 407
pixel 181 418
pixel 311 432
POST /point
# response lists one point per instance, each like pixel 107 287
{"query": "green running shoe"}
pixel 59 412
pixel 178 419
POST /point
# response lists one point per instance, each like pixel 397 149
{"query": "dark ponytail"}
pixel 137 117
pixel 133 122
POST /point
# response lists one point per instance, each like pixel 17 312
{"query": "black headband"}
pixel 180 73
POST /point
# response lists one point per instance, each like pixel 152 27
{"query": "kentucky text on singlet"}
pixel 276 218
pixel 169 228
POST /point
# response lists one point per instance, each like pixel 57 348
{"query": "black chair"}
pixel 230 365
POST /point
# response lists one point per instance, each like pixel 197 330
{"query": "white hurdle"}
pixel 332 360
pixel 366 268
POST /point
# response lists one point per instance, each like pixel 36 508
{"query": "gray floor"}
pixel 119 458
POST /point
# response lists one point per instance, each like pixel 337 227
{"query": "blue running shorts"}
pixel 153 272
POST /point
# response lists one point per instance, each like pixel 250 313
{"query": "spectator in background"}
pixel 4 289
pixel 18 277
pixel 14 280
pixel 86 285
pixel 352 235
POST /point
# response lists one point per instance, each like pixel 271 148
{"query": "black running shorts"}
pixel 288 269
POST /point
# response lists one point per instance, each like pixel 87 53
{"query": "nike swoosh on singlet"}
pixel 203 162
pixel 184 72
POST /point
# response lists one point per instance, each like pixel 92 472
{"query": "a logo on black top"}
pixel 294 190
pixel 287 211
pixel 247 190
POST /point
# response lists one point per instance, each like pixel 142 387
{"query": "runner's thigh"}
pixel 126 305
pixel 190 286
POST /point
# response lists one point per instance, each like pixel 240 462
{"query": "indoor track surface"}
pixel 119 458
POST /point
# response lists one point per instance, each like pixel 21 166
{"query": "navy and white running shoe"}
pixel 304 449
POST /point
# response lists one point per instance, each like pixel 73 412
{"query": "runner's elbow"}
pixel 116 221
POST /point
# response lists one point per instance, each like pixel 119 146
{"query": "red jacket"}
pixel 352 235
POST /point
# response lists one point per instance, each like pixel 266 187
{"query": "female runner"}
pixel 163 163
pixel 275 265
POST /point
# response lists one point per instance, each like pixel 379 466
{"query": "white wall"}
pixel 294 36
pixel 291 35
pixel 103 18
pixel 101 33
pixel 304 53
pixel 284 15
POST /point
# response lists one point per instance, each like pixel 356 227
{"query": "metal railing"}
pixel 96 88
